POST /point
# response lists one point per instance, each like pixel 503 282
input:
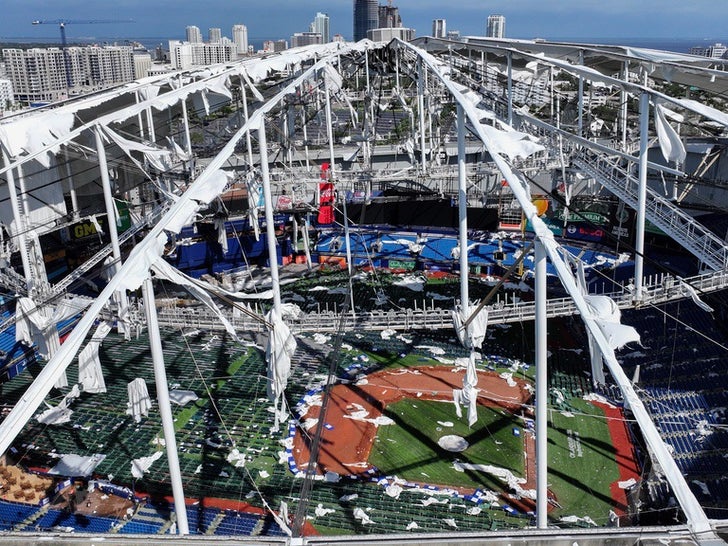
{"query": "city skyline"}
pixel 526 18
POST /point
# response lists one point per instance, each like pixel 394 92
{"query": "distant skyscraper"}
pixel 439 28
pixel 366 17
pixel 389 16
pixel 214 35
pixel 194 36
pixel 496 26
pixel 321 25
pixel 240 37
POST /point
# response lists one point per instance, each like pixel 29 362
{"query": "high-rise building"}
pixel 439 28
pixel 214 35
pixel 321 25
pixel 184 55
pixel 42 75
pixel 240 37
pixel 6 94
pixel 389 16
pixel 194 36
pixel 496 26
pixel 142 63
pixel 366 17
pixel 300 39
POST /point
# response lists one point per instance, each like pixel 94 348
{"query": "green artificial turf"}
pixel 409 448
pixel 580 472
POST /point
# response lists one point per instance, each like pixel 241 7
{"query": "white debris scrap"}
pixel 363 516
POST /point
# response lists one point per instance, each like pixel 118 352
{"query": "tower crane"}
pixel 62 24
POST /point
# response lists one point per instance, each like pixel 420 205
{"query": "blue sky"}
pixel 696 19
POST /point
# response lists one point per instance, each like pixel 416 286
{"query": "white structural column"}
pixel 248 142
pixel 20 226
pixel 421 111
pixel 304 128
pixel 329 128
pixel 641 196
pixel 150 124
pixel 186 123
pixel 580 129
pixel 541 362
pixel 165 409
pixel 139 116
pixel 108 200
pixel 509 57
pixel 269 225
pixel 463 214
pixel 332 173
pixel 71 185
pixel 624 97
pixel 111 224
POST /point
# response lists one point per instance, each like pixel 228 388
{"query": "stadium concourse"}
pixel 183 238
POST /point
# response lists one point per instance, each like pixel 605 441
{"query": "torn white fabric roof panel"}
pixel 670 144
pixel 33 133
pixel 254 90
pixel 159 158
pixel 140 260
pixel 166 271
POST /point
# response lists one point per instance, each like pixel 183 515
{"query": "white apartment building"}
pixel 439 28
pixel 321 25
pixel 142 63
pixel 6 95
pixel 109 65
pixel 240 38
pixel 193 34
pixel 496 27
pixel 40 75
pixel 214 35
pixel 184 55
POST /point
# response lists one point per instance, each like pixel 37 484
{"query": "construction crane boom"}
pixel 62 25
